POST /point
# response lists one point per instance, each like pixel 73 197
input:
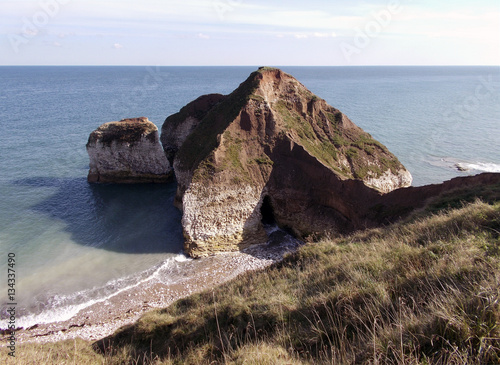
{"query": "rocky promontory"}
pixel 127 151
pixel 272 151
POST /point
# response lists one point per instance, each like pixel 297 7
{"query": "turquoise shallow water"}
pixel 76 243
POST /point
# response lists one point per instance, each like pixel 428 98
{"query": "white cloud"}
pixel 203 36
pixel 117 46
pixel 324 35
pixel 307 35
pixel 65 34
pixel 31 32
pixel 307 19
pixel 448 25
pixel 425 15
pixel 57 44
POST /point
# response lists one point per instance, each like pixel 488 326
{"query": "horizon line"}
pixel 157 65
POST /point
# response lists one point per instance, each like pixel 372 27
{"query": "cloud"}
pixel 307 35
pixel 30 32
pixel 117 46
pixel 57 44
pixel 203 36
pixel 324 35
pixel 307 20
pixel 65 34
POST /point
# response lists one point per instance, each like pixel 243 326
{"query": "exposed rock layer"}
pixel 272 138
pixel 127 151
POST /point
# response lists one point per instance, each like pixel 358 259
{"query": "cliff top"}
pixel 126 130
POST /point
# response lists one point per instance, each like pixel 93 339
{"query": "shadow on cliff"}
pixel 136 219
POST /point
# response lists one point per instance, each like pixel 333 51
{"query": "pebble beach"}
pixel 104 318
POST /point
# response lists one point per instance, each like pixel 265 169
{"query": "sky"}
pixel 249 32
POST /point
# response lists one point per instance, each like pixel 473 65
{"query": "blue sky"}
pixel 249 32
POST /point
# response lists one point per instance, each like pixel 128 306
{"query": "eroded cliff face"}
pixel 273 140
pixel 127 151
pixel 179 126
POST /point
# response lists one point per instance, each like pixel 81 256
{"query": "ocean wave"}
pixel 463 165
pixel 478 166
pixel 63 308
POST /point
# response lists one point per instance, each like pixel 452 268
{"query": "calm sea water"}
pixel 76 243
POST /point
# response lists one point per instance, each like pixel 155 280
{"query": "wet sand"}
pixel 104 318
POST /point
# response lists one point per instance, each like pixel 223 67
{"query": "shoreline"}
pixel 104 318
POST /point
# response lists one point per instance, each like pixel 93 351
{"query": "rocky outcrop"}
pixel 179 126
pixel 127 151
pixel 399 203
pixel 272 150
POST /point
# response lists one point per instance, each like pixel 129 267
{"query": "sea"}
pixel 73 244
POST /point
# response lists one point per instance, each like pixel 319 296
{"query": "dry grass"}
pixel 424 291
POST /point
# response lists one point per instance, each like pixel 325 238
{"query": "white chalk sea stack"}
pixel 128 151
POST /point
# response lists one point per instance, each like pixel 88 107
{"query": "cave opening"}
pixel 267 211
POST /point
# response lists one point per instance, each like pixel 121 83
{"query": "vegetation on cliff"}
pixel 126 130
pixel 352 153
pixel 203 140
pixel 422 291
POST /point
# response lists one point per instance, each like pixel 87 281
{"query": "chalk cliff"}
pixel 127 151
pixel 272 150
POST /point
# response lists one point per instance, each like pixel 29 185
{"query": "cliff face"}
pixel 179 126
pixel 272 150
pixel 127 151
pixel 401 202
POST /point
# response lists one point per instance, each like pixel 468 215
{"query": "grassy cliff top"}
pixel 126 130
pixel 424 291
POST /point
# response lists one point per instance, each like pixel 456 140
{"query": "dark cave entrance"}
pixel 267 212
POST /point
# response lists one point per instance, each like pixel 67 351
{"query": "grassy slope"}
pixel 421 291
pixel 360 149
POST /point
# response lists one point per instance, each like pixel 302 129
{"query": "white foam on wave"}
pixel 480 166
pixel 464 166
pixel 182 258
pixel 64 307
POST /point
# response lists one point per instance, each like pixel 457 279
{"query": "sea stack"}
pixel 127 151
pixel 272 151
